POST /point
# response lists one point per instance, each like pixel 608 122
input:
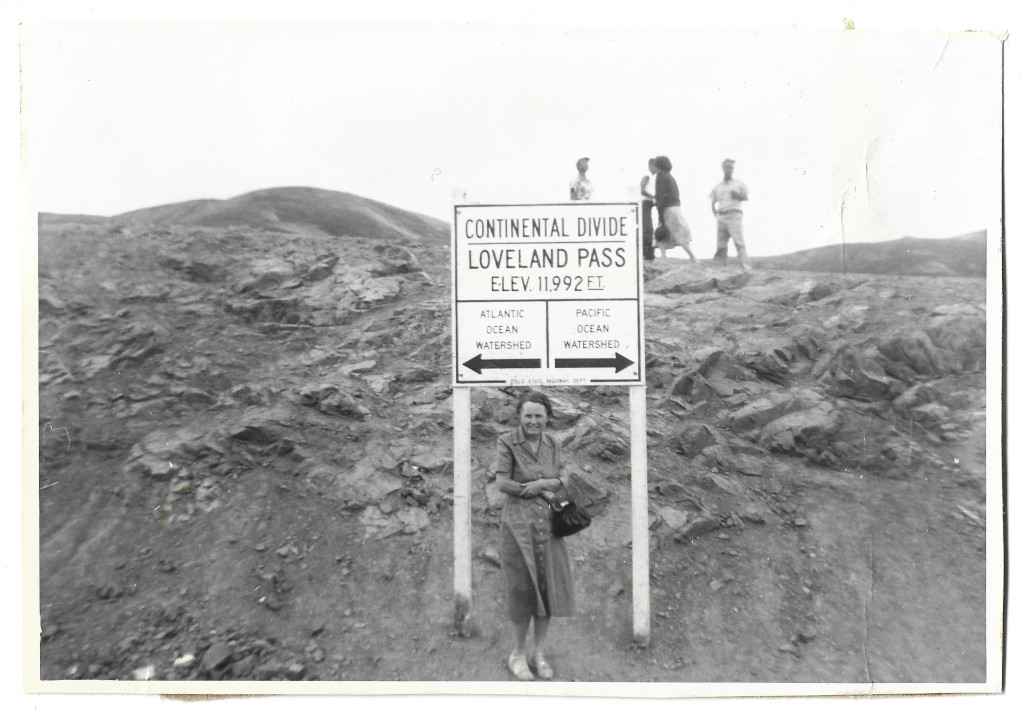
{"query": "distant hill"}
pixel 53 218
pixel 295 210
pixel 963 256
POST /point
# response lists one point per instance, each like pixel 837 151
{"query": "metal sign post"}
pixel 548 295
pixel 638 485
pixel 463 509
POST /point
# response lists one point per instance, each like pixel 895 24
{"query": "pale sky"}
pixel 901 128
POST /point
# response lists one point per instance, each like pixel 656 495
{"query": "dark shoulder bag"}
pixel 569 517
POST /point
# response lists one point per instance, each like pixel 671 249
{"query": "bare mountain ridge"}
pixel 961 256
pixel 287 210
pixel 314 210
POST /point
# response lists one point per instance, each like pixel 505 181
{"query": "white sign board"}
pixel 547 294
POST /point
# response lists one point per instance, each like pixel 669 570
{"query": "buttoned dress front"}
pixel 538 577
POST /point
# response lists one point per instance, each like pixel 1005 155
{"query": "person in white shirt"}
pixel 727 206
pixel 580 188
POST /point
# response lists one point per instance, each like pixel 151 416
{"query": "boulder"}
pixel 586 490
pixel 610 447
pixel 914 352
pixel 694 438
pixel 772 293
pixel 162 454
pixel 494 497
pixel 766 409
pixel 850 318
pixel 680 281
pixel 259 426
pixel 266 273
pixel 674 519
pixel 418 375
pixel 962 339
pixel 915 396
pixel 130 345
pixel 748 464
pixel 801 431
pixel 217 656
pixel 718 375
pixel 278 310
pixel 700 525
pixel 363 484
pixel 394 260
pixel 754 512
pixel 580 434
pixel 150 466
pixel 331 400
pixel 252 394
pixel 199 271
pixel 566 414
pixel 930 413
pixel 323 269
pixel 358 367
pixel 413 520
pixel 432 460
pixel 365 292
pixel 491 404
pixel 859 374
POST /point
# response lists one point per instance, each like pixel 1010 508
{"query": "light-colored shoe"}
pixel 519 668
pixel 540 664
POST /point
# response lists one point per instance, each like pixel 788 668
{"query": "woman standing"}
pixel 670 215
pixel 648 209
pixel 529 468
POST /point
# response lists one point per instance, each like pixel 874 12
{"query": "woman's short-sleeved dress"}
pixel 667 200
pixel 536 564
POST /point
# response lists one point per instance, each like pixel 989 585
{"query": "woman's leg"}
pixel 693 258
pixel 539 660
pixel 517 662
pixel 521 629
pixel 540 633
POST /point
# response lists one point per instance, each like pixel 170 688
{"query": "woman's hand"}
pixel 532 489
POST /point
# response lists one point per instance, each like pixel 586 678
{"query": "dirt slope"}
pixel 245 470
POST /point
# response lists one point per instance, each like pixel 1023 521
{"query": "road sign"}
pixel 547 294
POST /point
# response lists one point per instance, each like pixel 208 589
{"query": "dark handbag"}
pixel 661 233
pixel 569 518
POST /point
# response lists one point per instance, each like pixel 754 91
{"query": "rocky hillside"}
pixel 245 467
pixel 962 256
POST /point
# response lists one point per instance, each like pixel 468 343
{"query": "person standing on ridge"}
pixel 727 206
pixel 648 211
pixel 672 230
pixel 580 188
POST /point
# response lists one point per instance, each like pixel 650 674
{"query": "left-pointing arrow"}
pixel 478 363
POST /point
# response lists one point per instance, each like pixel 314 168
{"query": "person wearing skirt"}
pixel 673 230
pixel 538 578
pixel 647 210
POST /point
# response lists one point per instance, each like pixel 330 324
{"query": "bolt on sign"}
pixel 548 294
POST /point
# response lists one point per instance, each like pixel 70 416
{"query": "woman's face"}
pixel 532 418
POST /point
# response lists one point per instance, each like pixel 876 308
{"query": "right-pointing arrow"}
pixel 619 362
